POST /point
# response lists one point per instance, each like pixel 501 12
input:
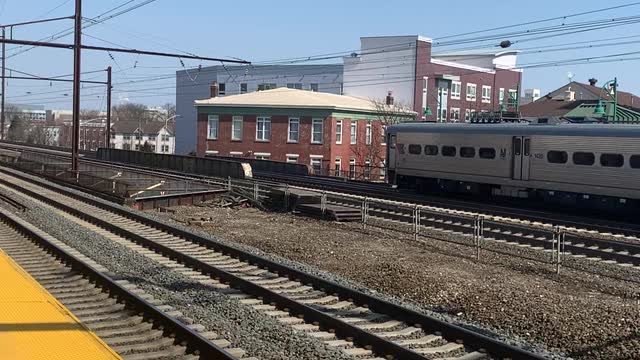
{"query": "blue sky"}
pixel 266 30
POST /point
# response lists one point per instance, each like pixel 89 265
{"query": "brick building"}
pixel 335 134
pixel 452 85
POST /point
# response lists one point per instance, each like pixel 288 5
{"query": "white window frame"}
pixel 501 95
pixel 316 158
pixel 515 93
pixel 467 115
pixel 367 169
pixel 234 124
pixel 235 153
pixel 383 170
pixel 293 120
pixel 264 120
pixel 213 119
pixel 165 148
pixel 291 157
pixel 486 94
pixel 337 167
pixel 425 89
pixel 220 91
pixel 469 96
pixel 454 111
pixel 352 168
pixel 456 85
pixel 383 129
pixel 315 122
pixel 367 137
pixel 339 132
pixel 353 136
pixel 262 156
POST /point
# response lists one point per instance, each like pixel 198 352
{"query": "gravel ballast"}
pixel 259 335
pixel 583 314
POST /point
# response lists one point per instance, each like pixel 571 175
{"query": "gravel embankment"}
pixel 256 333
pixel 586 315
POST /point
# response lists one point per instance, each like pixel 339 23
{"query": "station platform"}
pixel 34 325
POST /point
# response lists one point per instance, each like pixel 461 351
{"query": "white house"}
pixel 133 135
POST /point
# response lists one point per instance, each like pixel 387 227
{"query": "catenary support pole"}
pixel 3 85
pixel 108 132
pixel 76 85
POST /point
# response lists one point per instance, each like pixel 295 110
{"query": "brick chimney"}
pixel 593 81
pixel 389 100
pixel 214 89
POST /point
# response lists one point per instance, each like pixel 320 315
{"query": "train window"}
pixel 487 153
pixel 392 142
pixel 431 150
pixel 634 161
pixel 611 160
pixel 557 157
pixel 415 149
pixel 467 152
pixel 584 158
pixel 527 147
pixel 448 151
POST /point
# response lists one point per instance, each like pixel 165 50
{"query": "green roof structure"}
pixel 587 110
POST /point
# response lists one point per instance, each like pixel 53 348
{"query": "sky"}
pixel 261 31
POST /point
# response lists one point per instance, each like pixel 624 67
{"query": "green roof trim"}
pixel 624 115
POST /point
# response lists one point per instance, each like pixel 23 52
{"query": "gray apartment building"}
pixel 194 84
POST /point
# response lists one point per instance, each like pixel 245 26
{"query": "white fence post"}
pixel 416 223
pixel 365 210
pixel 323 202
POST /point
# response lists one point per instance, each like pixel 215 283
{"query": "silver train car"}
pixel 596 166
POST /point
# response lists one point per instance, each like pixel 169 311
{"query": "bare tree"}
pixel 370 149
pixel 146 147
pixel 131 112
pixel 18 124
pixel 89 114
pixel 170 108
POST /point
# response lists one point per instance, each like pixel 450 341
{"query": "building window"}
pixel 425 87
pixel 467 115
pixel 338 167
pixel 137 147
pixel 471 92
pixel 486 94
pixel 367 137
pixel 265 156
pixel 243 88
pixel 294 130
pixel 267 86
pixel 236 128
pixel 165 137
pixel 367 169
pixel 313 87
pixel 212 129
pixel 292 158
pixel 138 136
pixel 316 134
pixel 126 146
pixel 294 86
pixel 153 148
pixel 222 89
pixel 383 130
pixel 126 137
pixel 456 88
pixel 316 164
pixel 339 132
pixel 341 88
pixel 113 135
pixel 455 114
pixel 354 132
pixel 352 168
pixel 501 96
pixel 263 128
pixel 383 170
pixel 513 97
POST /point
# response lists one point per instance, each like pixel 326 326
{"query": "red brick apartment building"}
pixel 335 134
pixel 421 75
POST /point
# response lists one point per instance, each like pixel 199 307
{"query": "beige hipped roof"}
pixel 294 98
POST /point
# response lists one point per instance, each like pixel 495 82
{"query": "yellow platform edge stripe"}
pixel 35 325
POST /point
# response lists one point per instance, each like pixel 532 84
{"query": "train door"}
pixel 521 157
pixel 390 163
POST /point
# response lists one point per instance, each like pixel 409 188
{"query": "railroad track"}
pixel 360 325
pixel 131 322
pixel 578 245
pixel 510 213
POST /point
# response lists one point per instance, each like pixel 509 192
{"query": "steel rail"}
pixel 195 343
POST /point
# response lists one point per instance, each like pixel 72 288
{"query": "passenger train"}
pixel 592 166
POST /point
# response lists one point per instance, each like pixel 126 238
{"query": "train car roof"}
pixel 618 130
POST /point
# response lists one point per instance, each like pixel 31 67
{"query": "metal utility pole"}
pixel 3 87
pixel 108 143
pixel 77 47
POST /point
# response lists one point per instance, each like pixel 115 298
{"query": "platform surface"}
pixel 34 325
